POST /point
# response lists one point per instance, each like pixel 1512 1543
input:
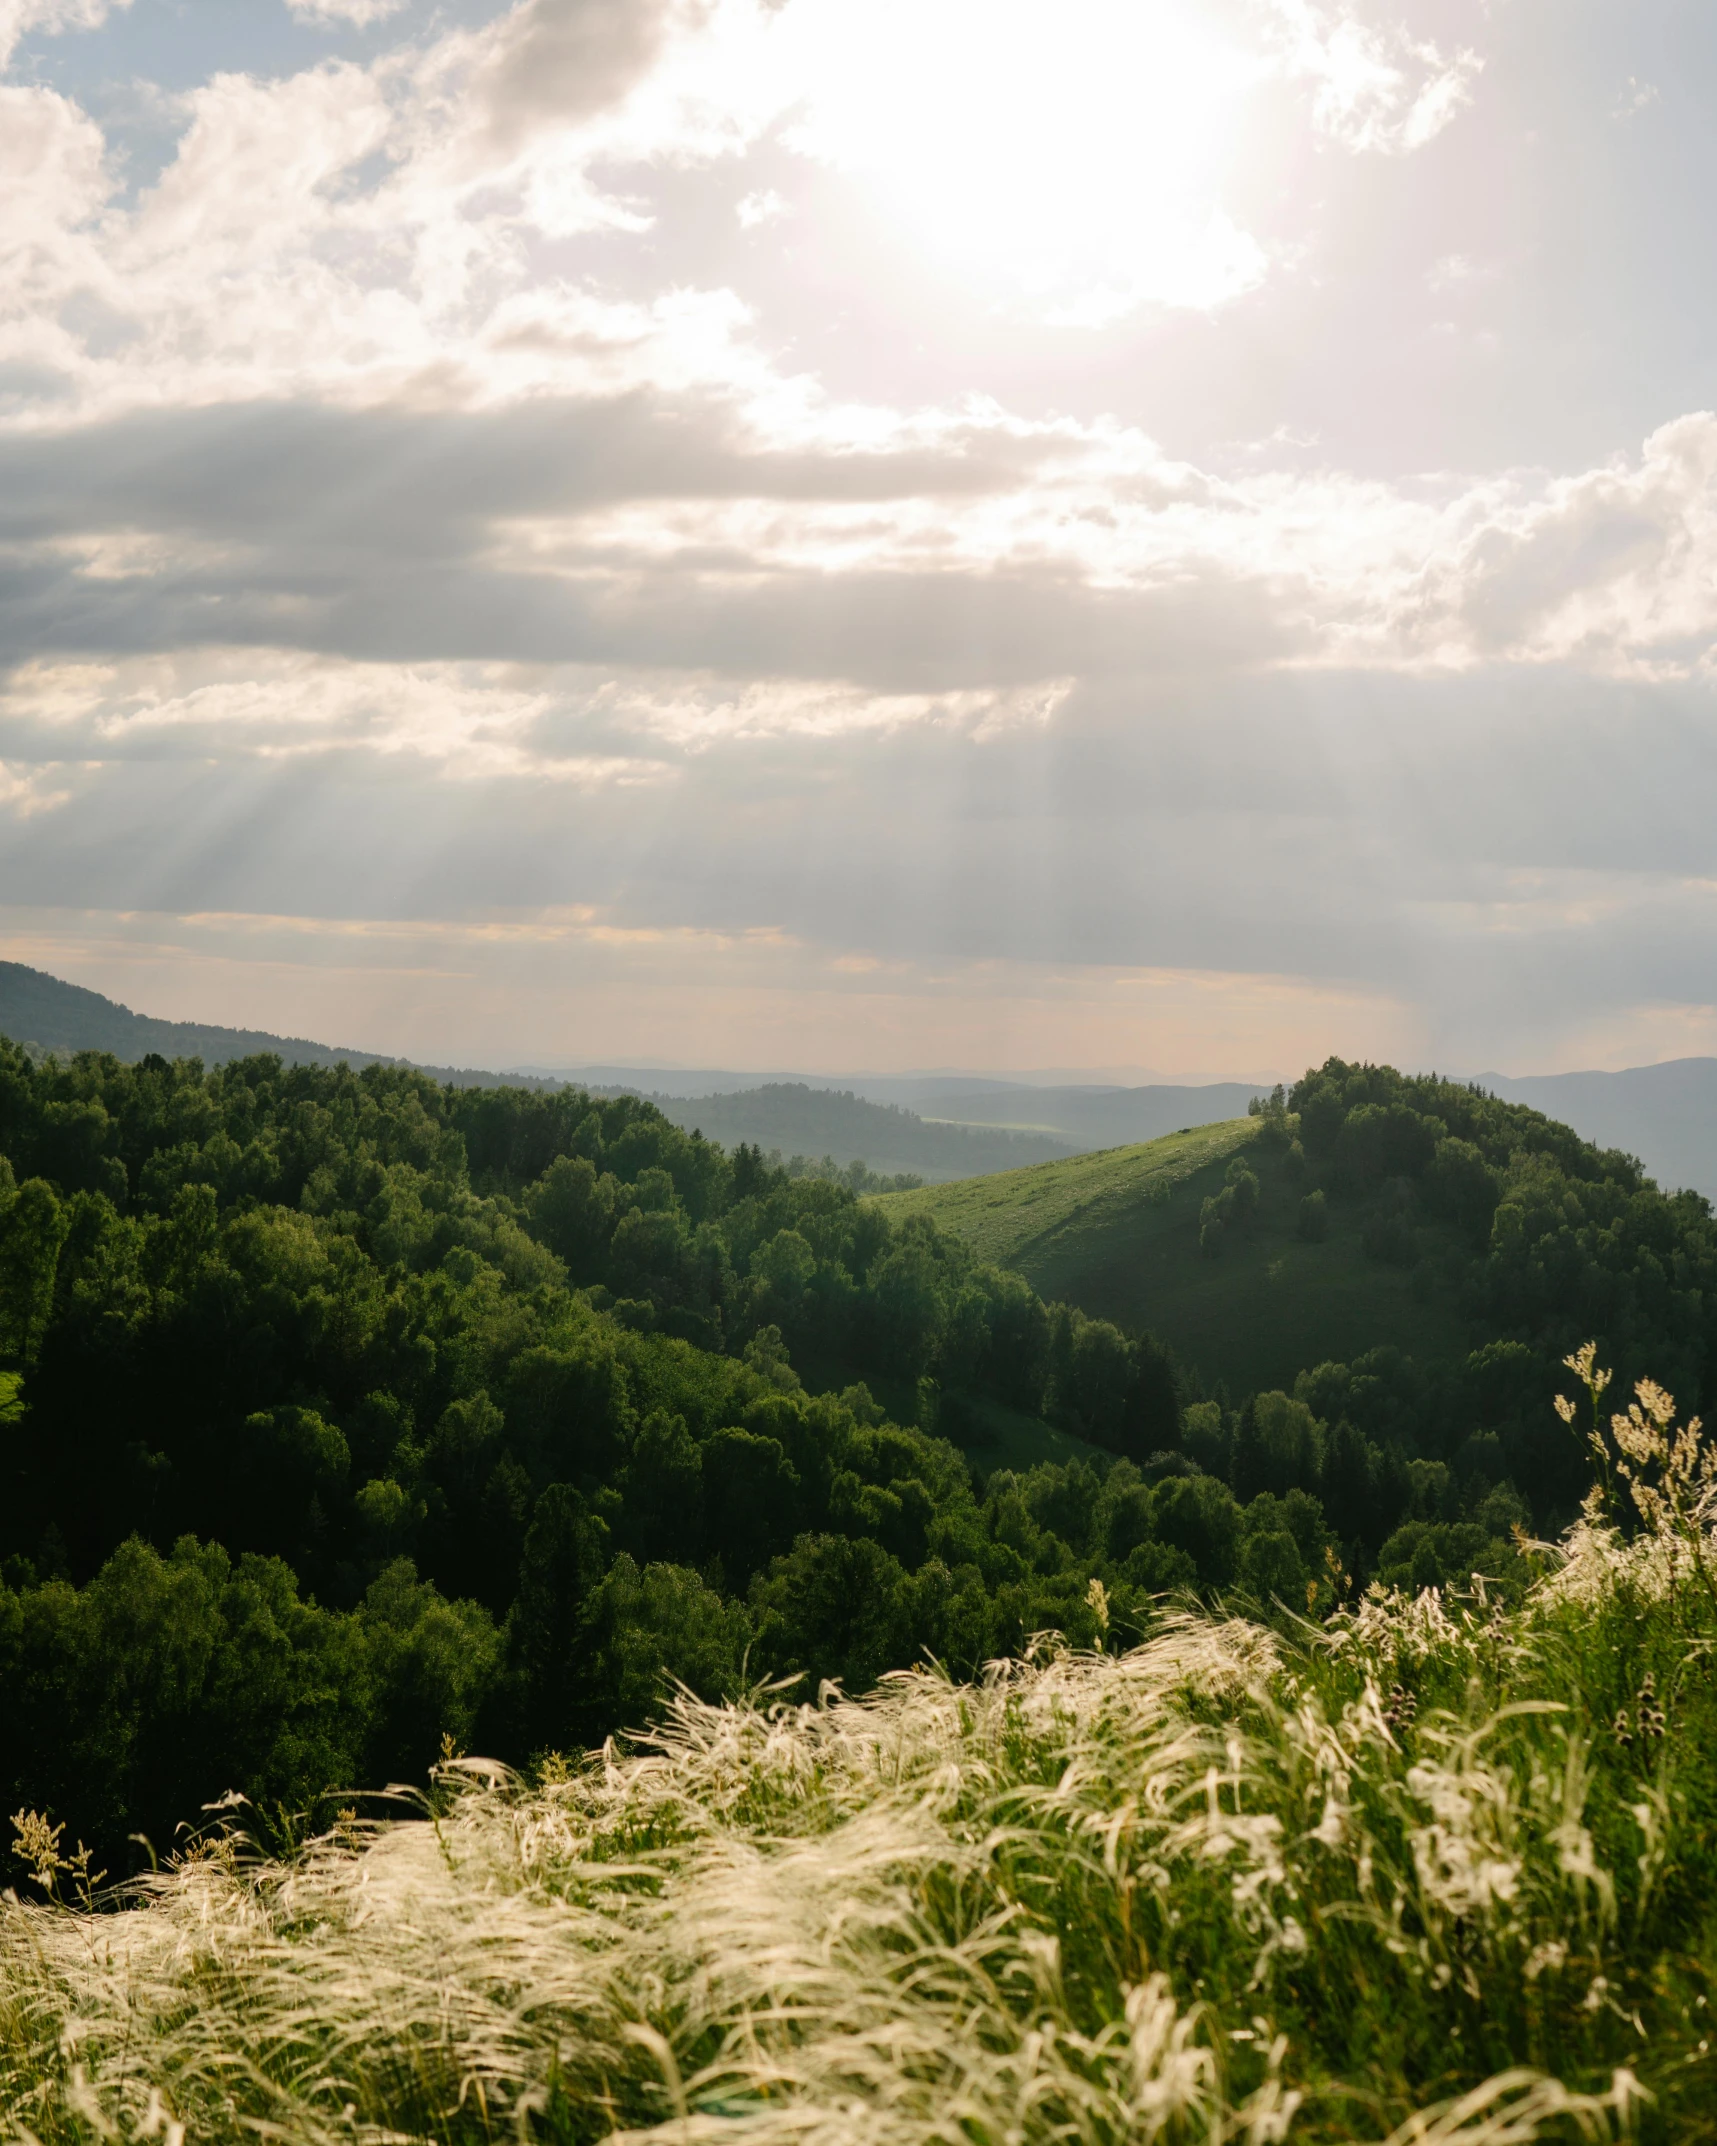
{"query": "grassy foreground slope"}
pixel 1436 1871
pixel 1117 1233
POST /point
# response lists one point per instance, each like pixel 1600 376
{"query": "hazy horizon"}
pixel 1169 536
pixel 637 1071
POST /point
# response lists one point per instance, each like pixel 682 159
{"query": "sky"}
pixel 1165 536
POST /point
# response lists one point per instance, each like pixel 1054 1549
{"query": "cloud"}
pixel 1466 844
pixel 1374 91
pixel 966 549
pixel 19 17
pixel 471 722
pixel 387 231
pixel 556 63
pixel 359 13
pixel 478 723
pixel 759 208
pixel 421 501
pixel 54 178
pixel 1614 569
pixel 26 790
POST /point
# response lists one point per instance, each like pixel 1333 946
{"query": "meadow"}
pixel 1434 1869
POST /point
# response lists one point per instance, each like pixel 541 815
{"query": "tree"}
pixel 751 1501
pixel 1277 1447
pixel 33 1226
pixel 573 1211
pixel 650 1630
pixel 563 1560
pixel 1199 1515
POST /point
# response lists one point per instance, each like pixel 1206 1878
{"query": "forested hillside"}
pixel 347 1412
pixel 1278 1288
pixel 1405 1255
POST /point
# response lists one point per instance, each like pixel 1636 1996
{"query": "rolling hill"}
pixel 1066 1115
pixel 1083 1116
pixel 798 1119
pixel 1117 1233
pixel 51 1015
pixel 1665 1114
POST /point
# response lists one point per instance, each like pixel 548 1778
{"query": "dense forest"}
pixel 348 1417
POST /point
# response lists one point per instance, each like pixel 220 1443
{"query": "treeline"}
pixel 347 1412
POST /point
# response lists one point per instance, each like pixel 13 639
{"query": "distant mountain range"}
pixel 1073 1118
pixel 939 1125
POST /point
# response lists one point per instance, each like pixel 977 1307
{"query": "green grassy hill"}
pixel 1117 1233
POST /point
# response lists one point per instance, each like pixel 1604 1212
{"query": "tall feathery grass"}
pixel 1441 1869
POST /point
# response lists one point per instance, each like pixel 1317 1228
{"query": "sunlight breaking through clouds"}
pixel 664 401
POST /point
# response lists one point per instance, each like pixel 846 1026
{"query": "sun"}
pixel 1067 154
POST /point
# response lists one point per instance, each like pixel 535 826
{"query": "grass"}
pixel 1437 1870
pixel 1021 1216
pixel 1117 1234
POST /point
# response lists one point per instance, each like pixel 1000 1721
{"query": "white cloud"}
pixel 1374 90
pixel 1614 569
pixel 25 791
pixel 383 231
pixel 359 13
pixel 467 721
pixel 759 208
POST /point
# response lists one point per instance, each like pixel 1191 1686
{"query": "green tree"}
pixel 33 1226
pixel 565 1553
